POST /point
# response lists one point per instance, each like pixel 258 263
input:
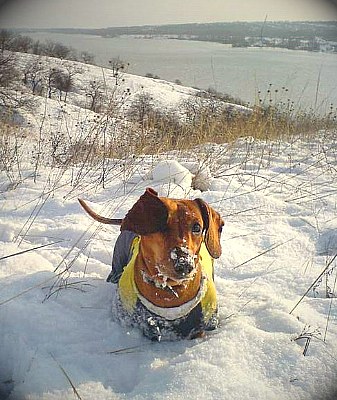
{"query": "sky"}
pixel 104 13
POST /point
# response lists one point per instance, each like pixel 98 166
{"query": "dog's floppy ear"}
pixel 213 224
pixel 148 215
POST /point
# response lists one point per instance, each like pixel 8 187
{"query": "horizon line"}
pixel 174 23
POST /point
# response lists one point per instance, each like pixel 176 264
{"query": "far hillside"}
pixel 307 35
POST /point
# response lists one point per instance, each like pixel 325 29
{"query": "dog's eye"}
pixel 196 228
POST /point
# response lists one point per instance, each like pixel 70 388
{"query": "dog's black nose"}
pixel 183 268
pixel 183 261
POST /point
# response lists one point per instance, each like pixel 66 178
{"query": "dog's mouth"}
pixel 170 284
pixel 184 270
pixel 184 267
pixel 162 281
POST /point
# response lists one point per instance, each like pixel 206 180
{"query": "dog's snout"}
pixel 183 261
pixel 183 268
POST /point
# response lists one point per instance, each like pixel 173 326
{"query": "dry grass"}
pixel 147 130
pixel 163 133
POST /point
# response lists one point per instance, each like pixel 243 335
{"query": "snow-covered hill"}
pixel 277 338
pixel 93 90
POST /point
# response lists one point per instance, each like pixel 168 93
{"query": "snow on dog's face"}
pixel 172 232
pixel 173 253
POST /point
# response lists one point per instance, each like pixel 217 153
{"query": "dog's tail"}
pixel 99 218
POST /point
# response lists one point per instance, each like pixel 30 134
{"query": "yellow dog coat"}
pixel 187 320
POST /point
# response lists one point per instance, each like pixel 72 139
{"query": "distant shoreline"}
pixel 166 37
pixel 243 46
pixel 315 36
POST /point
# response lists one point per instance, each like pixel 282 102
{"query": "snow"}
pixel 57 321
pixel 75 119
pixel 170 171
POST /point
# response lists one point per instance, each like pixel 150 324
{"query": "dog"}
pixel 163 265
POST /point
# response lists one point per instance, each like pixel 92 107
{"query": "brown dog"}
pixel 166 283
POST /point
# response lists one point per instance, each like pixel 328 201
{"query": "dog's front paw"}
pixel 197 335
pixel 152 330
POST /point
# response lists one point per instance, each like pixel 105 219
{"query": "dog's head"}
pixel 172 232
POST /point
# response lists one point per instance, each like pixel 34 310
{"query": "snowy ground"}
pixel 288 200
pixel 57 325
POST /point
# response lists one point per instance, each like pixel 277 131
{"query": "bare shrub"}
pixel 6 38
pixel 11 95
pixel 21 44
pixel 8 71
pixel 58 50
pixel 37 48
pixel 215 95
pixel 86 57
pixel 141 108
pixel 64 79
pixel 11 152
pixel 118 67
pixel 150 75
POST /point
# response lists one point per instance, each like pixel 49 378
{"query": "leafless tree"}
pixel 51 78
pixel 58 80
pixel 6 38
pixel 33 75
pixel 55 49
pixel 95 94
pixel 87 57
pixel 10 97
pixel 64 80
pixel 21 43
pixel 37 47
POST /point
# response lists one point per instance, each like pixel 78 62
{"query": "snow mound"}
pixel 170 171
pixel 202 177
